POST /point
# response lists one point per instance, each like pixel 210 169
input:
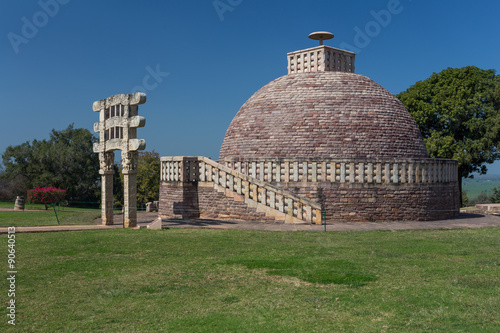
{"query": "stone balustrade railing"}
pixel 320 59
pixel 393 171
pixel 180 168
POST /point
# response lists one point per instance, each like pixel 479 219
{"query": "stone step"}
pixel 489 207
pixel 272 213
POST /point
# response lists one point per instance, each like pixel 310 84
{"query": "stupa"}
pixel 321 143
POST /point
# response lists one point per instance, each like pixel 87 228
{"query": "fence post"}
pixel 55 213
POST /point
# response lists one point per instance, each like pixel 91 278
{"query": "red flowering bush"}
pixel 46 195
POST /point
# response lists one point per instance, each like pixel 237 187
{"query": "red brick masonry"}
pixel 337 139
pixel 324 114
pixel 423 189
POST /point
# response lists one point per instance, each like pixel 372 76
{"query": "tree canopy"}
pixel 66 160
pixel 458 113
pixel 148 179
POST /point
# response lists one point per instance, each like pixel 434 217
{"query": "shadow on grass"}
pixel 320 270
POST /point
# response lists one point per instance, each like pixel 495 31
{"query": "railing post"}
pixel 305 172
pixel 223 179
pixel 387 173
pixel 342 172
pixel 361 172
pixel 231 182
pixel 395 173
pixel 308 213
pixel 247 189
pixel 290 207
pixel 272 199
pixel 287 172
pixel 270 172
pixel 238 185
pixel 278 171
pixel 333 172
pixel 281 203
pixel 378 170
pixel 296 171
pixel 203 167
pixel 403 173
pixel 352 173
pixel 314 174
pixel 369 178
pixel 299 210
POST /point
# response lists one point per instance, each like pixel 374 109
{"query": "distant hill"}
pixel 480 183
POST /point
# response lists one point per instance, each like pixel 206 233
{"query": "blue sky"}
pixel 198 61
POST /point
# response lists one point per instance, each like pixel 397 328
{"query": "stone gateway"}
pixel 117 128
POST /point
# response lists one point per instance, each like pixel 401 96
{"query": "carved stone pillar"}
pixel 129 161
pixel 106 161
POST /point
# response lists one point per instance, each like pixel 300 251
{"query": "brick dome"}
pixel 323 115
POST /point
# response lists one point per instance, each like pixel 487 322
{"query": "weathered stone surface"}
pixel 233 194
pixel 117 127
pixel 203 200
pixel 19 203
pixel 323 114
pixel 381 202
pixel 152 206
pixel 320 59
pixel 319 138
pixel 156 224
pixel 107 196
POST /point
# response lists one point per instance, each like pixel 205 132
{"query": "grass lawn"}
pixel 37 215
pixel 181 280
pixel 28 218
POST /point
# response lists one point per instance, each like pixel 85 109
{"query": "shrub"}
pixel 46 195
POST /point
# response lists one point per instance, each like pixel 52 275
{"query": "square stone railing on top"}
pixel 321 59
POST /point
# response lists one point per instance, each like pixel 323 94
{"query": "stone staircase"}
pixel 281 205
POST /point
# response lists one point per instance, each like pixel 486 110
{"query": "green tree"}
pixel 148 177
pixel 66 160
pixel 465 199
pixel 458 113
pixel 482 198
pixel 118 195
pixel 495 197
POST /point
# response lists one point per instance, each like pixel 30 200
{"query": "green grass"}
pixel 28 206
pixel 36 215
pixel 181 280
pixel 38 218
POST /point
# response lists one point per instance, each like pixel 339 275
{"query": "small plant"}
pixel 46 195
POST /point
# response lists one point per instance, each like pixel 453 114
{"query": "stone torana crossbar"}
pixel 117 128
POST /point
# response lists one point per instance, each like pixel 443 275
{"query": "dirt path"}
pixel 463 221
